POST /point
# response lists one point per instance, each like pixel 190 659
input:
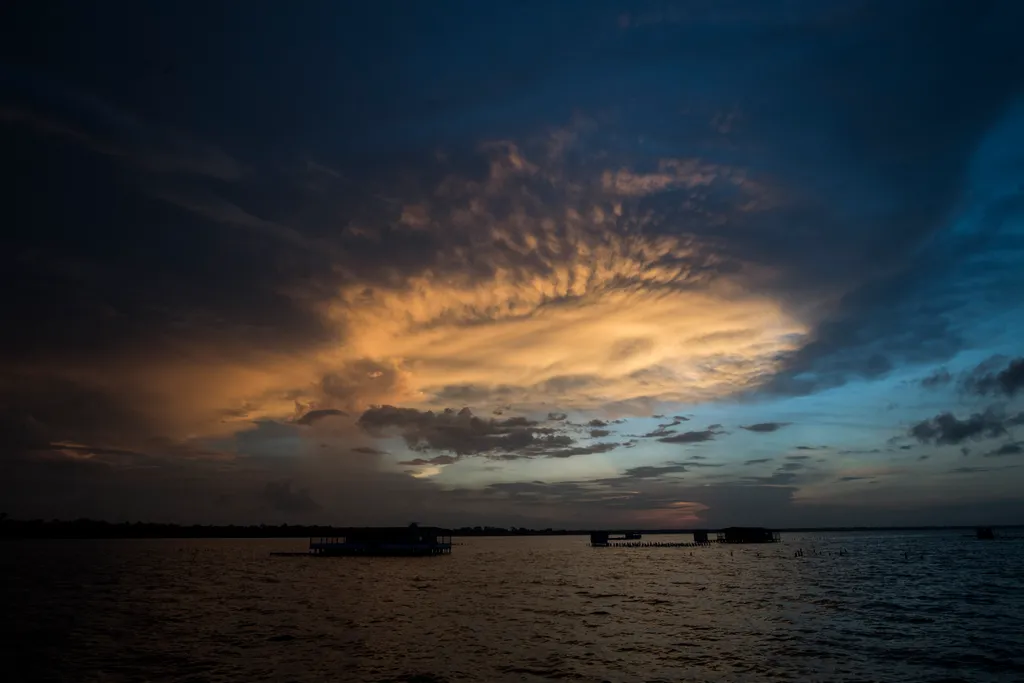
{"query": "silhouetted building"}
pixel 748 534
pixel 599 538
pixel 632 535
pixel 700 537
pixel 402 540
pixel 984 533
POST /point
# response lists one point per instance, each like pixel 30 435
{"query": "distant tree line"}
pixel 90 528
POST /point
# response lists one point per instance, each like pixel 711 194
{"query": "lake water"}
pixel 895 607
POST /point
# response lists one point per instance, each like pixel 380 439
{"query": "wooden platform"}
pixel 410 541
pixel 653 544
pixel 380 550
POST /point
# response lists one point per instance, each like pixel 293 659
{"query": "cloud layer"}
pixel 477 276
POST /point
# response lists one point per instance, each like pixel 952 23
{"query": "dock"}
pixel 701 538
pixel 410 541
pixel 651 544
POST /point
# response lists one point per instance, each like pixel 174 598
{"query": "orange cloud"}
pixel 551 291
pixel 578 350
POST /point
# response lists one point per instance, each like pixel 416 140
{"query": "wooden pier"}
pixel 601 539
pixel 411 541
pixel 653 544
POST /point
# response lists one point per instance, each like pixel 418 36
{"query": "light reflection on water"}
pixel 894 607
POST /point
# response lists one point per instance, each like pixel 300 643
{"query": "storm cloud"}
pixel 223 280
pixel 765 427
pixel 691 437
pixel 1014 448
pixel 947 429
pixel 462 433
pixel 1005 382
pixel 316 415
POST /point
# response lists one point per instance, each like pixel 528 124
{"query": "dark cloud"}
pixel 599 433
pixel 283 498
pixel 663 430
pixel 973 470
pixel 1005 382
pixel 460 432
pixel 939 378
pixel 690 437
pixel 581 450
pixel 653 471
pixel 851 478
pixel 556 417
pixel 765 427
pixel 368 450
pixel 757 461
pixel 317 415
pixel 438 460
pixel 597 423
pixel 798 457
pixel 946 429
pixel 1015 448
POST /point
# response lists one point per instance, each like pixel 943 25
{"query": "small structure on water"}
pixel 748 534
pixel 984 533
pixel 600 539
pixel 409 540
pixel 736 534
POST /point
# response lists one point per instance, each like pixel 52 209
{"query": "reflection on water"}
pixel 895 607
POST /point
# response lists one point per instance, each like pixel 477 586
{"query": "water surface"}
pixel 893 607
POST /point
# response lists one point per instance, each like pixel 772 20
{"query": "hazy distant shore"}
pixel 86 528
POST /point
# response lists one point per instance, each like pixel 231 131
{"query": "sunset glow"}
pixel 701 271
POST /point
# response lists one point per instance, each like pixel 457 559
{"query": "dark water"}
pixel 896 607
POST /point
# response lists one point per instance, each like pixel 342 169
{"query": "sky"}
pixel 541 264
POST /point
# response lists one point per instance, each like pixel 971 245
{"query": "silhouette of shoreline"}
pixel 89 529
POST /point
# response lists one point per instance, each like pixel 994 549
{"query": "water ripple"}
pixel 907 608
